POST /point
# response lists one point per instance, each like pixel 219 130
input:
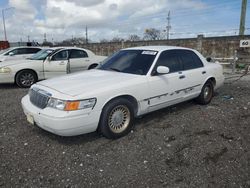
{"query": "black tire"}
pixel 92 66
pixel 120 112
pixel 207 93
pixel 26 78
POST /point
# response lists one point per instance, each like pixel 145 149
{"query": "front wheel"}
pixel 117 118
pixel 25 78
pixel 207 93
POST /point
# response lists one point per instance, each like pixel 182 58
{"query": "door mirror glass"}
pixel 11 54
pixel 162 70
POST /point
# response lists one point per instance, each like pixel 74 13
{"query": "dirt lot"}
pixel 183 146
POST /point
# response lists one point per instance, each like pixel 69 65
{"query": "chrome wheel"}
pixel 27 79
pixel 119 118
pixel 207 93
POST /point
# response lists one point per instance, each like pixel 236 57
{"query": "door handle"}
pixel 87 60
pixel 182 76
pixel 61 63
pixel 204 72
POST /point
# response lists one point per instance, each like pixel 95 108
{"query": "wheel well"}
pixel 212 79
pixel 130 99
pixel 90 66
pixel 27 70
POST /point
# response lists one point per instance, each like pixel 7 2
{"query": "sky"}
pixel 107 19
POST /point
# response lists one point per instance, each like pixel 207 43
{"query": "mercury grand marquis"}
pixel 128 84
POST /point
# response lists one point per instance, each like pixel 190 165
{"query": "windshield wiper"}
pixel 115 69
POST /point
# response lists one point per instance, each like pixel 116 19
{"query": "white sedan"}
pixel 48 63
pixel 132 82
pixel 20 52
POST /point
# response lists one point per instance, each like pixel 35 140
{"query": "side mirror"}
pixel 162 70
pixel 209 59
pixel 11 54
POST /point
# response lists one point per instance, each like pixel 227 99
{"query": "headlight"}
pixel 5 70
pixel 71 105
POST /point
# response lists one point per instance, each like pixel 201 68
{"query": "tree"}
pixel 47 43
pixel 117 39
pixel 104 41
pixel 134 38
pixel 152 34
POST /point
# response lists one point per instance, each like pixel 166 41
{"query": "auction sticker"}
pixel 149 52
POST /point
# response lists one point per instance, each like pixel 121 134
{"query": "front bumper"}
pixel 62 123
pixel 7 78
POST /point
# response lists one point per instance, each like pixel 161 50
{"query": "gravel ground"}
pixel 187 145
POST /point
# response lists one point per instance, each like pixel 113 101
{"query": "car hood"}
pixel 89 82
pixel 17 62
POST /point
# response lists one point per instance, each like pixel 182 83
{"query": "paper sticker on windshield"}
pixel 149 52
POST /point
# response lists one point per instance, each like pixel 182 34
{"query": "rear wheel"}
pixel 117 118
pixel 25 78
pixel 206 94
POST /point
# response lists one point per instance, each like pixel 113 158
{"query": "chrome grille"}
pixel 39 98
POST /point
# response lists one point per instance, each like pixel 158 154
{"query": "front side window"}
pixel 77 54
pixel 130 61
pixel 62 55
pixel 21 51
pixel 169 58
pixel 12 52
pixel 32 50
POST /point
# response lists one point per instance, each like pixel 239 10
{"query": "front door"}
pixel 57 64
pixel 165 89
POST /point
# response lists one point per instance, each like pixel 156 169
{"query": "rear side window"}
pixel 189 59
pixel 78 54
pixel 169 59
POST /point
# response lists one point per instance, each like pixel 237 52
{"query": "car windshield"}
pixel 41 55
pixel 130 61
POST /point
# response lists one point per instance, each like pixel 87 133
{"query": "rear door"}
pixel 193 72
pixel 78 60
pixel 57 64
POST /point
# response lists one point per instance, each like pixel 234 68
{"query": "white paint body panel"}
pixel 48 69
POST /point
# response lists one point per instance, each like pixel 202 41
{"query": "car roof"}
pixel 156 48
pixel 76 48
pixel 26 47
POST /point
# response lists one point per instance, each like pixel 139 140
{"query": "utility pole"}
pixel 168 26
pixel 243 17
pixel 86 32
pixel 45 38
pixel 4 28
pixel 28 38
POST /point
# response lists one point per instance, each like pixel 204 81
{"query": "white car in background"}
pixel 48 63
pixel 18 53
pixel 132 82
